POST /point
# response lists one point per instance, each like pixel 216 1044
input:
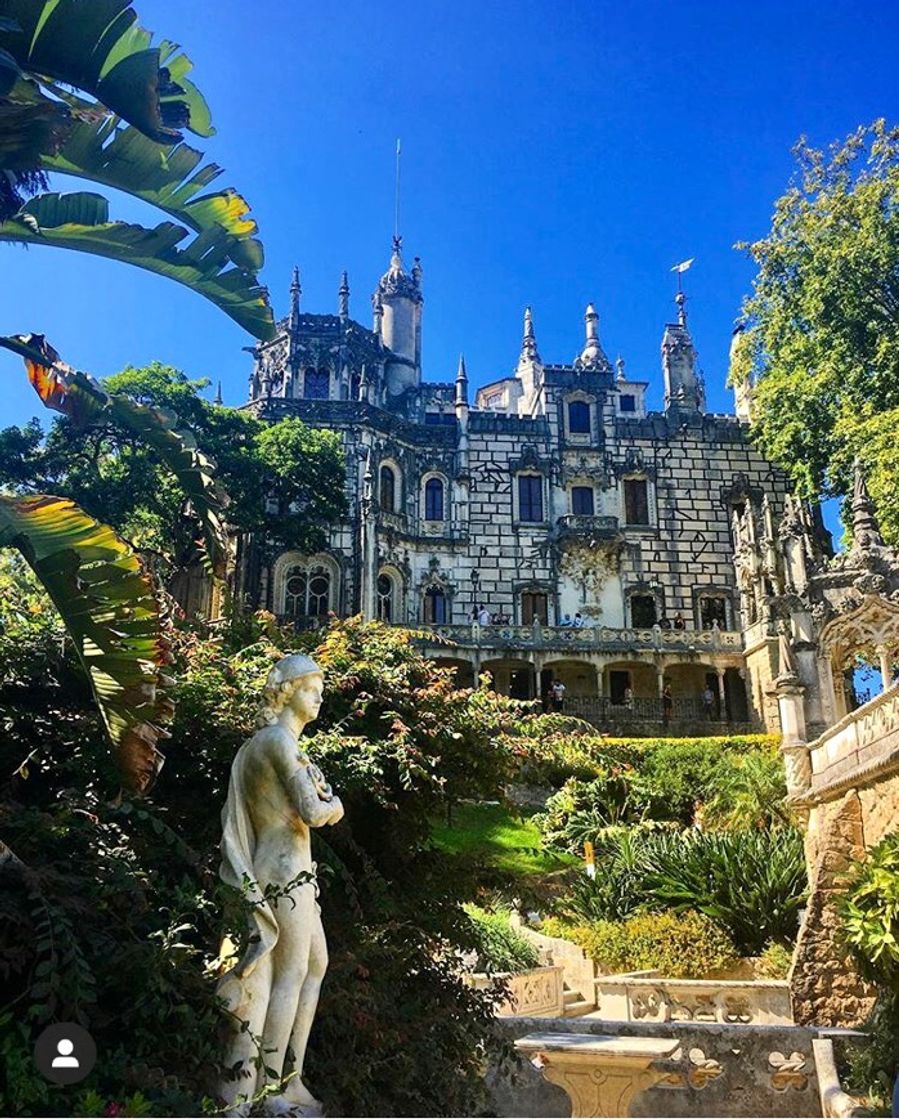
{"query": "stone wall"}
pixel 719 1070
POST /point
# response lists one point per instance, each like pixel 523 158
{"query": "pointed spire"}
pixel 592 356
pixel 529 342
pixel 865 527
pixel 363 383
pixel 462 382
pixel 767 517
pixel 295 293
pixel 343 296
pixel 377 313
pixel 218 394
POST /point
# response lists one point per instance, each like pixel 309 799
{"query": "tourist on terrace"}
pixel 566 620
pixel 484 616
pixel 679 623
pixel 557 695
pixel 708 703
pixel 578 620
pixel 665 622
pixel 667 704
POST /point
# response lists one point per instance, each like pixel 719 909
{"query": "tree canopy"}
pixel 283 480
pixel 821 337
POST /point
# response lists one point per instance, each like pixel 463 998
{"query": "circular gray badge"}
pixel 65 1053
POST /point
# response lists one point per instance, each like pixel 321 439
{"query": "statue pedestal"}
pixel 600 1073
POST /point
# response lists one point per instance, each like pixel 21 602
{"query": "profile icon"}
pixel 65 1053
pixel 65 1058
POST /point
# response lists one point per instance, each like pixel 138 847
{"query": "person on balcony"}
pixel 665 622
pixel 578 620
pixel 679 623
pixel 484 616
pixel 565 620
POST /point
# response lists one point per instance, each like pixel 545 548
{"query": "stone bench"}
pixel 600 1073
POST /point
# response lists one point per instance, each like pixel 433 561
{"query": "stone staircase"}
pixel 574 1003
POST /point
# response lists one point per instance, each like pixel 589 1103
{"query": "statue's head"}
pixel 296 682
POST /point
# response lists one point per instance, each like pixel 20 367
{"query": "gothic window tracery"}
pixel 316 384
pixel 385 598
pixel 305 587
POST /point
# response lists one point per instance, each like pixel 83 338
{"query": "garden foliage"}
pixel 112 913
pixel 501 947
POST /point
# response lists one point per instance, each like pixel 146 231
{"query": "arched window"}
pixel 295 592
pixel 579 418
pixel 387 489
pixel 434 500
pixel 305 587
pixel 385 598
pixel 435 606
pixel 316 384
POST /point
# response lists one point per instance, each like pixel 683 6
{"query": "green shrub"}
pixel 501 948
pixel 774 962
pixel 869 912
pixel 583 811
pixel 751 882
pixel 678 945
pixel 749 791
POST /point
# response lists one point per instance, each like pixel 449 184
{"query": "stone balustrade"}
pixel 858 746
pixel 648 997
pixel 586 639
pixel 537 992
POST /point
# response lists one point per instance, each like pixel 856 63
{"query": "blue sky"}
pixel 553 153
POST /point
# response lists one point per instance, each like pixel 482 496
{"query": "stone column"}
pixel 886 669
pixel 722 693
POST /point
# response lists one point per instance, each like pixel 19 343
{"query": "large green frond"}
pixel 99 47
pixel 81 221
pixel 107 604
pixel 80 397
pixel 172 177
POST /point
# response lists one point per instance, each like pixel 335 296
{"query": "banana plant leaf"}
pixel 99 47
pixel 171 177
pixel 81 221
pixel 81 398
pixel 107 604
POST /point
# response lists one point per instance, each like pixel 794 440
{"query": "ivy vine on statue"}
pixel 276 795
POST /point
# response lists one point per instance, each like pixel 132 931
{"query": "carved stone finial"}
pixel 619 368
pixel 865 528
pixel 295 293
pixel 343 296
pixel 218 394
pixel 592 357
pixel 461 382
pixel 529 341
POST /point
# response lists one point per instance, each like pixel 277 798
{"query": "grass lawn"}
pixel 503 840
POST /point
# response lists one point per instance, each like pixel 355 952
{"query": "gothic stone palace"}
pixel 597 536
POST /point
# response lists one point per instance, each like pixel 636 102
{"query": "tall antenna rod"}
pixel 396 205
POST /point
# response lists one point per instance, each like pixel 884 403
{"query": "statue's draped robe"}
pixel 237 867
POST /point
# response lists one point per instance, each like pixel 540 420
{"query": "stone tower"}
pixel 398 305
pixel 683 383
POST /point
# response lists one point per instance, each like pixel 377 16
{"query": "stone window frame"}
pixel 579 397
pixel 516 497
pixel 397 596
pixel 394 468
pixel 715 591
pixel 533 587
pixel 312 565
pixel 651 508
pixel 318 371
pixel 432 476
pixel 581 484
pixel 437 588
pixel 649 590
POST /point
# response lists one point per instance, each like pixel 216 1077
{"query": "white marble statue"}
pixel 276 795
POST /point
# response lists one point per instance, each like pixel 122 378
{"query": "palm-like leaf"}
pixel 81 221
pixel 171 177
pixel 107 604
pixel 85 401
pixel 99 47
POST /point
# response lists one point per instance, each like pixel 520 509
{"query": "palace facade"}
pixel 595 538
